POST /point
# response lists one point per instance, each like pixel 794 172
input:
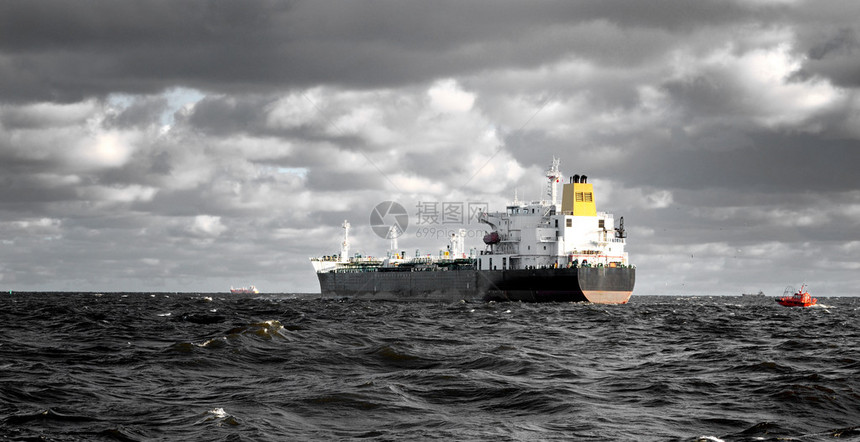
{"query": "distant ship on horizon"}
pixel 240 290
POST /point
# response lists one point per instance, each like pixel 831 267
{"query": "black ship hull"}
pixel 599 285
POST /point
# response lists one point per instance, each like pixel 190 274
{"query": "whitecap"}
pixel 212 341
pixel 272 326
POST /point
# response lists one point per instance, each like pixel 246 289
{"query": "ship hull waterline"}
pixel 598 285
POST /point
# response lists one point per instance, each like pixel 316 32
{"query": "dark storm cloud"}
pixel 141 113
pixel 141 143
pixel 228 115
pixel 65 51
pixel 358 179
pixel 775 163
pixel 28 192
pixel 842 41
pixel 249 115
pixel 837 58
pixel 767 161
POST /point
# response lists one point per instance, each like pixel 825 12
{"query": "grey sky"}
pixel 188 146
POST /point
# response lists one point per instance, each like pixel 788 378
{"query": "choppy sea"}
pixel 209 367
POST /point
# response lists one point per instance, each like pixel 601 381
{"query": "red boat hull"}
pixel 799 299
pixel 790 301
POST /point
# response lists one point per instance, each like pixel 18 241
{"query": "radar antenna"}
pixel 619 231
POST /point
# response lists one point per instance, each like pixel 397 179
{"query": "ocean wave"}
pixel 272 368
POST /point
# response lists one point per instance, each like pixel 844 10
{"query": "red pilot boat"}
pixel 798 299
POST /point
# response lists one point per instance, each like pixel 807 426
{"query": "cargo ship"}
pixel 539 251
pixel 244 290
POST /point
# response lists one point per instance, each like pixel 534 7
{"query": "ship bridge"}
pixel 543 234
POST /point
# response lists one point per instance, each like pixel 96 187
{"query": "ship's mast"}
pixel 553 175
pixel 344 246
pixel 458 244
pixel 393 233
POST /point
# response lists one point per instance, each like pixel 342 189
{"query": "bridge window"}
pixel 569 222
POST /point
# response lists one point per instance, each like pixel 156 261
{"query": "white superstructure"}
pixel 549 233
pixel 538 234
